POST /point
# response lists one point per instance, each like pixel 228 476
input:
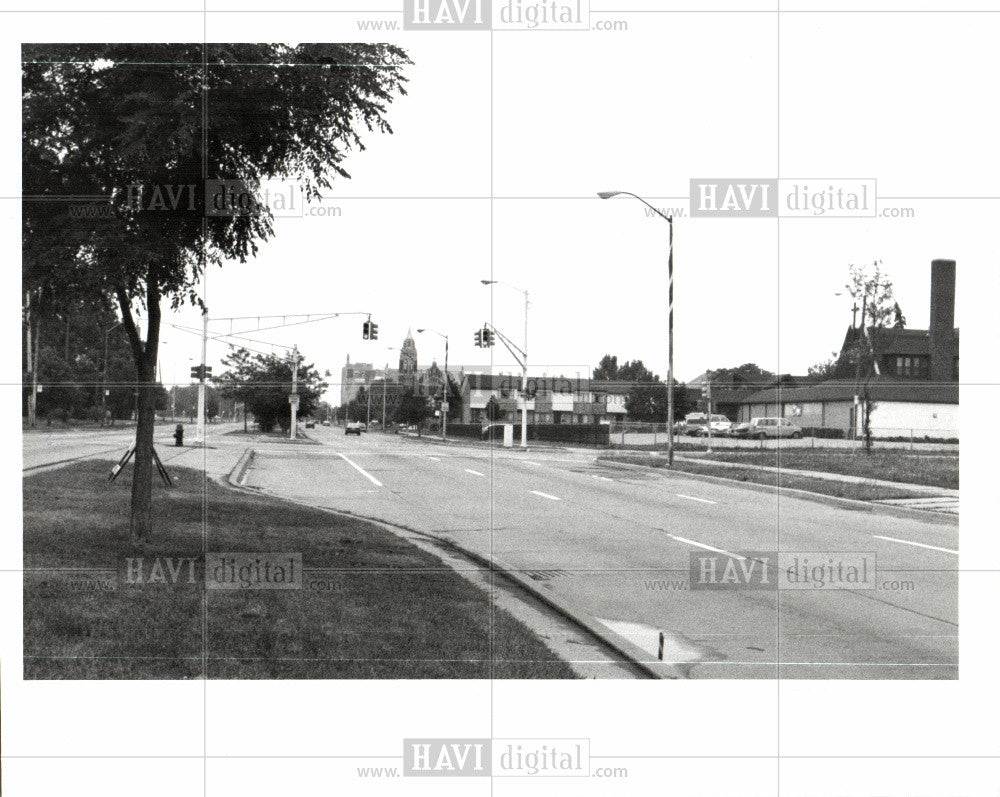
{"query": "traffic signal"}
pixel 373 331
pixel 201 372
pixel 479 338
pixel 366 330
pixel 487 337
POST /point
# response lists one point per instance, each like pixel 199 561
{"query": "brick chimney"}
pixel 942 326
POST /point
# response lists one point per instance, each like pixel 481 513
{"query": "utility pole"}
pixel 385 378
pixel 444 397
pixel 710 416
pixel 200 433
pixel 294 398
pixel 368 392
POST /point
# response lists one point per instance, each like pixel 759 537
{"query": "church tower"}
pixel 408 362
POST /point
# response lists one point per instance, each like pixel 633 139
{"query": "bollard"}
pixel 660 653
pixel 179 435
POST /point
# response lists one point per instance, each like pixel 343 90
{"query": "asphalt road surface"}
pixel 618 544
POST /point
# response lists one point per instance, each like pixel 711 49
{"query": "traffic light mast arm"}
pixel 512 347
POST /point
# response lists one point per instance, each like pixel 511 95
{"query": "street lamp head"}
pixel 607 194
pixel 421 330
pixel 488 282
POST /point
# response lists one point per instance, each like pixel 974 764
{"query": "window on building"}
pixel 909 366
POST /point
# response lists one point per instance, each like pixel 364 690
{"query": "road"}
pixel 42 448
pixel 617 543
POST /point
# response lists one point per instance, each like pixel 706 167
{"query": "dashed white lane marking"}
pixel 692 498
pixel 545 495
pixel 360 470
pixel 474 472
pixel 533 464
pixel 602 478
pixel 706 547
pixel 918 544
pixel 436 459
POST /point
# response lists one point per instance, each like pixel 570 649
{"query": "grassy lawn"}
pixel 930 468
pixel 859 492
pixel 375 607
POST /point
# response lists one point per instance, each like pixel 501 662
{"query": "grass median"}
pixel 371 605
pixel 925 467
pixel 858 491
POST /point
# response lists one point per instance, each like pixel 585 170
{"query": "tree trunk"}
pixel 142 478
pixel 144 354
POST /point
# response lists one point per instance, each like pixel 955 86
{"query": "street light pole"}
pixel 524 363
pixel 444 388
pixel 670 315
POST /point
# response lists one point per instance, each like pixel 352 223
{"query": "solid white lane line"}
pixel 692 498
pixel 706 547
pixel 474 472
pixel 918 544
pixel 436 459
pixel 545 495
pixel 360 470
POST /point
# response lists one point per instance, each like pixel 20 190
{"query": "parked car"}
pixel 326 423
pixel 691 423
pixel 740 429
pixel 720 426
pixel 762 428
pixel 354 427
pixel 310 424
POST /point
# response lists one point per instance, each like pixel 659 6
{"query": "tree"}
pixel 412 409
pixel 823 370
pixel 142 125
pixel 264 381
pixel 647 402
pixel 633 371
pixel 873 289
pixel 748 374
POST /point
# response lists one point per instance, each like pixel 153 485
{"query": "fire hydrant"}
pixel 179 435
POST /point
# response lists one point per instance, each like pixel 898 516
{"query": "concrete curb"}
pixel 819 498
pixel 631 653
pixel 236 475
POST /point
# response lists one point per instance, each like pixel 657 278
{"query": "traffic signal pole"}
pixel 200 434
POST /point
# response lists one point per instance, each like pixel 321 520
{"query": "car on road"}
pixel 720 426
pixel 326 423
pixel 762 428
pixel 354 427
pixel 310 424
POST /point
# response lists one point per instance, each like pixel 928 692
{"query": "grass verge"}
pixel 932 469
pixel 371 606
pixel 864 491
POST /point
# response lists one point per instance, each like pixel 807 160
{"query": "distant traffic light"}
pixel 201 372
pixel 479 338
pixel 373 331
pixel 366 330
pixel 488 338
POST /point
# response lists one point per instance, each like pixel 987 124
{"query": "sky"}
pixel 492 173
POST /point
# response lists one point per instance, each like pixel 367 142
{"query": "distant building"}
pixel 914 392
pixel 429 382
pixel 551 399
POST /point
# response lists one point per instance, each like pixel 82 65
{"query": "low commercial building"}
pixel 496 398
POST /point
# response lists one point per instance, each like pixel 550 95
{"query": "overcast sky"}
pixel 418 229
